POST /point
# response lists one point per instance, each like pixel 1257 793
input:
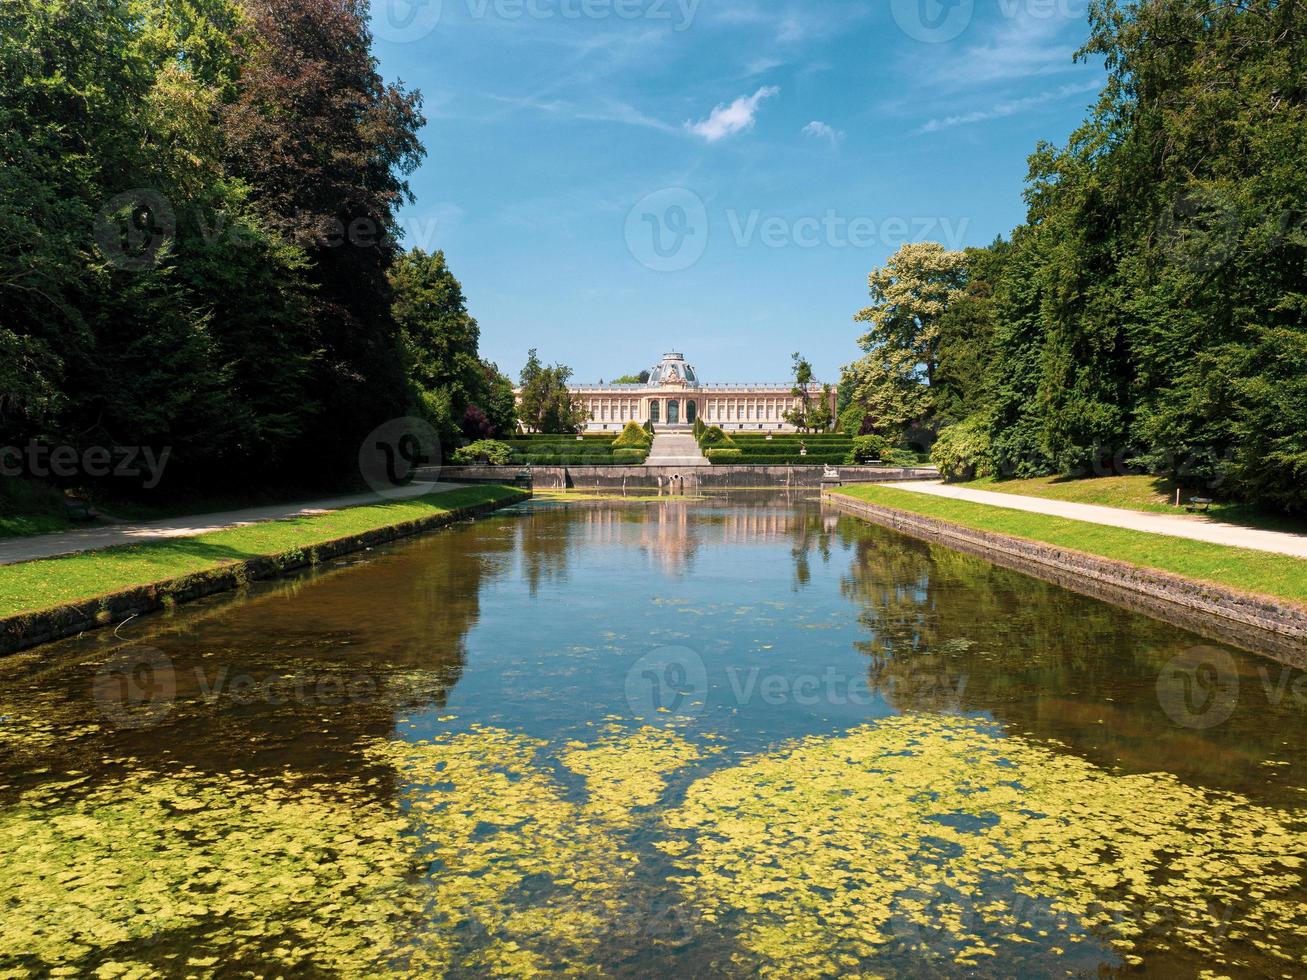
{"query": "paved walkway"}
pixel 1192 526
pixel 107 535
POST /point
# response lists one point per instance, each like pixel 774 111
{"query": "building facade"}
pixel 674 396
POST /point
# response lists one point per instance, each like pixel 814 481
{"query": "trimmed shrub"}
pixel 714 436
pixel 867 449
pixel 484 451
pixel 633 437
pixel 962 451
pixel 630 455
pixel 699 428
pixel 723 455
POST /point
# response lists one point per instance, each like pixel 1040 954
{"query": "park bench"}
pixel 1199 504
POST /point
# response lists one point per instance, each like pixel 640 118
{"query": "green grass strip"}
pixel 37 585
pixel 1261 572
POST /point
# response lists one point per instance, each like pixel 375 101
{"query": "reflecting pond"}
pixel 720 737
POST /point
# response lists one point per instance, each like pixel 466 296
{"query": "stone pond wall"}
pixel 676 479
pixel 1258 623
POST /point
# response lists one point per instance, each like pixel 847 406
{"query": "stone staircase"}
pixel 675 449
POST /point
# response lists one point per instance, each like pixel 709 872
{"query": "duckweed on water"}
pixel 936 835
pixel 925 837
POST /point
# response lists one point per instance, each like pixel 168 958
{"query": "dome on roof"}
pixel 673 369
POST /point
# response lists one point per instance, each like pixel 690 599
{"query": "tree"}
pixel 633 379
pixel 909 296
pixel 439 339
pixel 547 405
pixel 325 146
pixel 798 415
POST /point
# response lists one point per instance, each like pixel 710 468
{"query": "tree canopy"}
pixel 1149 314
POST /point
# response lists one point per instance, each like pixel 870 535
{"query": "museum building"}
pixel 674 396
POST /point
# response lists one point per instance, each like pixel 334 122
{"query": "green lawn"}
pixel 1281 576
pixel 36 585
pixel 1146 493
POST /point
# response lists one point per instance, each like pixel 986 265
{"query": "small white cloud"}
pixel 821 131
pixel 727 120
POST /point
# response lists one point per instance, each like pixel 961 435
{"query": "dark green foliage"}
pixel 547 405
pixel 963 451
pixel 1150 312
pixel 867 449
pixel 723 455
pixel 197 221
pixel 630 456
pixel 852 420
pixel 483 451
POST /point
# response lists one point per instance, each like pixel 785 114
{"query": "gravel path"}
pixel 1192 526
pixel 95 537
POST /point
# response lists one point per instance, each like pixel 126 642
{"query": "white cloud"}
pixel 1010 108
pixel 821 131
pixel 727 120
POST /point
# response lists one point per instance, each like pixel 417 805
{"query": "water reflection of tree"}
pixel 292 675
pixel 948 631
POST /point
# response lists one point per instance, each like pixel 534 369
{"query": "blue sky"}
pixel 615 178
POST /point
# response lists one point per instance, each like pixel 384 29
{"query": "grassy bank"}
pixel 1281 576
pixel 37 585
pixel 1153 494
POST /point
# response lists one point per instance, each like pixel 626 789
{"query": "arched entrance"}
pixel 690 412
pixel 673 412
pixel 653 412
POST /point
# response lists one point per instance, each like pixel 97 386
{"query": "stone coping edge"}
pixel 25 630
pixel 1263 624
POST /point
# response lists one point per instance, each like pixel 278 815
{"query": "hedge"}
pixel 723 455
pixel 630 455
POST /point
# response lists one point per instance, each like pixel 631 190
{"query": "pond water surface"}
pixel 700 738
